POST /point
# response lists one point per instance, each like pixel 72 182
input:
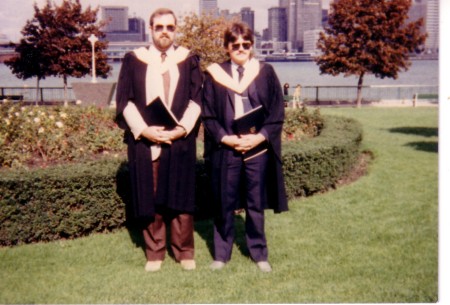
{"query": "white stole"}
pixel 154 81
pixel 223 78
pixel 154 86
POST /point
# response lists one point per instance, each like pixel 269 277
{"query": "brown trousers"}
pixel 181 233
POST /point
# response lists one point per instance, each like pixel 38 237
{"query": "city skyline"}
pixel 15 13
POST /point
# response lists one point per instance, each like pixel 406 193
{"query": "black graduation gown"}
pixel 176 180
pixel 265 90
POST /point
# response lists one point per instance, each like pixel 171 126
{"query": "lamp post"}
pixel 93 39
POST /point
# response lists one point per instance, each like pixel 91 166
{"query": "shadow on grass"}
pixel 204 215
pixel 424 146
pixel 204 228
pixel 427 146
pixel 419 131
pixel 203 224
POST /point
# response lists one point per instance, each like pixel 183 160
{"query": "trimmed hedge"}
pixel 79 199
pixel 60 202
pixel 316 164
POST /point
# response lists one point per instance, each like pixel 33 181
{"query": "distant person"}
pixel 161 161
pixel 286 93
pixel 286 89
pixel 225 98
pixel 296 97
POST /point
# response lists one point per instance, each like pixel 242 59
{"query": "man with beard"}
pixel 161 160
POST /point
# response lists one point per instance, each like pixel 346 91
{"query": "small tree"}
pixel 31 62
pixel 204 37
pixel 366 36
pixel 55 43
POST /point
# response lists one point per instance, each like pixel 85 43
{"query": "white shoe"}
pixel 188 264
pixel 152 266
pixel 264 266
pixel 217 265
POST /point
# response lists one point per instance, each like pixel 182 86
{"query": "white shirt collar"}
pixel 235 65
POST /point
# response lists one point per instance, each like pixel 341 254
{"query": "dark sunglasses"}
pixel 245 45
pixel 159 28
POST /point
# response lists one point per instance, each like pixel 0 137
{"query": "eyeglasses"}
pixel 245 45
pixel 159 28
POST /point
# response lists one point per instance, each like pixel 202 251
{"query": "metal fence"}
pixel 308 94
pixel 373 93
pixel 43 94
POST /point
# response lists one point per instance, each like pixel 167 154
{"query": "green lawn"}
pixel 375 241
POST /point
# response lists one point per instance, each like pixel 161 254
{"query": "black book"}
pixel 256 151
pixel 158 114
pixel 251 123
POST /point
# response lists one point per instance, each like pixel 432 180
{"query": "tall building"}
pixel 208 7
pixel 117 18
pixel 291 12
pixel 309 17
pixel 432 26
pixel 120 27
pixel 283 3
pixel 310 39
pixel 277 24
pixel 137 26
pixel 248 16
pixel 266 35
pixel 429 11
pixel 417 10
pixel 230 16
pixel 302 15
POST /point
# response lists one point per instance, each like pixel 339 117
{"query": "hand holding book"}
pixel 251 143
pixel 162 124
pixel 156 134
pixel 158 114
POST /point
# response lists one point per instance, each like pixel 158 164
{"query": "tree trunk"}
pixel 359 93
pixel 37 91
pixel 66 103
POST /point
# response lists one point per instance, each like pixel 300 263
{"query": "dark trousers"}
pixel 252 174
pixel 181 232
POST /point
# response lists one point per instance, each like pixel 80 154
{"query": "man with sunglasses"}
pixel 161 160
pixel 232 89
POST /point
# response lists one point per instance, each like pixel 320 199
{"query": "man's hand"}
pixel 243 143
pixel 231 141
pixel 156 134
pixel 249 141
pixel 176 133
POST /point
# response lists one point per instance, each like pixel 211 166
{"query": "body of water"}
pixel 421 72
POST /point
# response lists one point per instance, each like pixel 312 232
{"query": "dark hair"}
pixel 235 30
pixel 160 12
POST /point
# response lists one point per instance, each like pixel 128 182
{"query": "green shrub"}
pixel 301 124
pixel 60 202
pixel 315 164
pixel 75 200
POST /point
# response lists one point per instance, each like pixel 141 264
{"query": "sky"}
pixel 15 13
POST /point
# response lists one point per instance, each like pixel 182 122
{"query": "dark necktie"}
pixel 245 101
pixel 240 70
pixel 166 79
